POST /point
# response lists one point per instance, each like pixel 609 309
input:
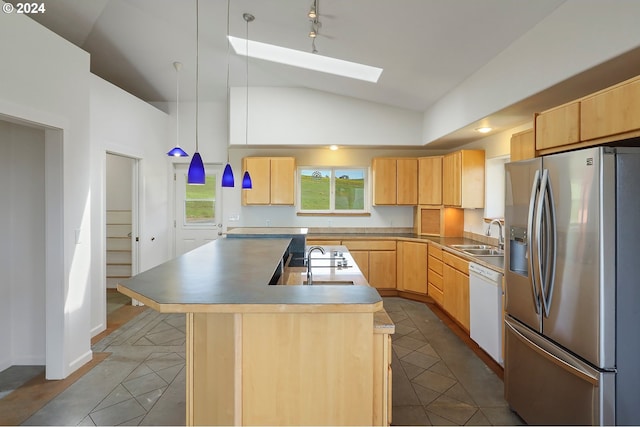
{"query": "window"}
pixel 333 190
pixel 200 202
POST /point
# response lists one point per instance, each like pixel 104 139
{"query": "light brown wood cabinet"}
pixel 611 112
pixel 558 126
pixel 523 145
pixel 455 275
pixel 376 260
pixel 434 274
pixel 273 180
pixel 395 181
pixel 382 379
pixel 412 267
pixel 430 180
pixel 463 179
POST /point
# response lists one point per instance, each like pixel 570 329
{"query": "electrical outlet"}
pixel 235 217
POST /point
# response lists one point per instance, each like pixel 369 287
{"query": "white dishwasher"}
pixel 485 309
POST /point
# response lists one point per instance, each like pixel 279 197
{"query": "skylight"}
pixel 310 61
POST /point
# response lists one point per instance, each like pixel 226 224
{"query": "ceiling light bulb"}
pixel 333 147
pixel 484 129
pixel 313 34
pixel 312 13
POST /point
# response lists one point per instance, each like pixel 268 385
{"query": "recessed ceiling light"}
pixel 484 129
pixel 333 147
pixel 310 61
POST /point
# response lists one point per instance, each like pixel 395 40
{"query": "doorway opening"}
pixel 121 204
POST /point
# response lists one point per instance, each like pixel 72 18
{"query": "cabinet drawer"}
pixel 435 265
pixel 370 245
pixel 435 280
pixel 456 262
pixel 436 294
pixel 435 252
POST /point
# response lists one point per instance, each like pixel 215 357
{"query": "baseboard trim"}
pixel 96 330
pixel 79 362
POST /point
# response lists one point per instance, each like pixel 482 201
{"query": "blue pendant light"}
pixel 227 177
pixel 246 181
pixel 196 173
pixel 177 151
pixel 246 178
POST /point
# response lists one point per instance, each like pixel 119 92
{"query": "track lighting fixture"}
pixel 315 25
pixel 313 12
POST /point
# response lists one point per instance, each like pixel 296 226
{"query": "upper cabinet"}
pixel 558 126
pixel 430 180
pixel 611 112
pixel 463 179
pixel 273 181
pixel 395 181
pixel 523 145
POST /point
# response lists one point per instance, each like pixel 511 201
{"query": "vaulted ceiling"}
pixel 426 47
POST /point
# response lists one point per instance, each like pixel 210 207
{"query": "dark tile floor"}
pixel 437 378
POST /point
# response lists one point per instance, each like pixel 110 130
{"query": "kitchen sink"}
pixel 465 247
pixel 330 282
pixel 484 252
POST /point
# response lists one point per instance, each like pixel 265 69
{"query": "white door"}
pixel 198 209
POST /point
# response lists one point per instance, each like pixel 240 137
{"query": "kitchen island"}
pixel 272 355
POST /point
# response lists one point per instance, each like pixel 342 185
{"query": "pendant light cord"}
pixel 197 65
pixel 228 88
pixel 246 122
pixel 177 67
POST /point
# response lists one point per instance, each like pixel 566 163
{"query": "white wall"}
pixel 306 117
pixel 22 246
pixel 45 80
pixel 578 35
pixel 125 125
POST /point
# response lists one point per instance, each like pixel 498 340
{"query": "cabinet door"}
pixel 414 267
pixel 384 181
pixel 382 269
pixel 611 112
pixel 407 181
pixel 361 258
pixel 456 295
pixel 430 180
pixel 282 180
pixel 559 126
pixel 523 145
pixel 451 179
pixel 260 170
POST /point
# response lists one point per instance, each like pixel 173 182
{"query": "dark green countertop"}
pixel 232 275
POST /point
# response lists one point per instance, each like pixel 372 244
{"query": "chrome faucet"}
pixel 500 235
pixel 309 273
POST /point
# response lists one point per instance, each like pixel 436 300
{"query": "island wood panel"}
pixel 212 369
pixel 323 362
pixel 382 393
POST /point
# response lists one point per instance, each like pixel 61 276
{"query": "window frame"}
pixel 332 191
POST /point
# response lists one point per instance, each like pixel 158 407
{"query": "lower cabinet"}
pixel 412 267
pixel 455 275
pixel 376 260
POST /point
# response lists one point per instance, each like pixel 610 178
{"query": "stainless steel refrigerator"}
pixel 572 264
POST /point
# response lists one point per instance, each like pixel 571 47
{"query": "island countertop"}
pixel 232 276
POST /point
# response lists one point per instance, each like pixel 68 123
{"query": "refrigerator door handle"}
pixel 538 270
pixel 530 218
pixel 570 364
pixel 551 248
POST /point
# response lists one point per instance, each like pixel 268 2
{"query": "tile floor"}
pixel 437 379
